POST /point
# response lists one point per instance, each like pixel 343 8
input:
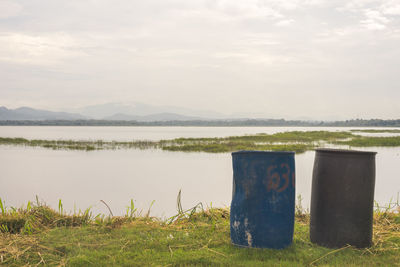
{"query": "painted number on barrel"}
pixel 278 182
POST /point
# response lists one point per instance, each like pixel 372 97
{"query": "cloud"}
pixel 9 9
pixel 294 4
pixel 38 49
pixel 374 20
pixel 372 25
pixel 218 54
pixel 285 22
pixel 256 39
pixel 391 8
pixel 357 5
pixel 247 9
pixel 375 15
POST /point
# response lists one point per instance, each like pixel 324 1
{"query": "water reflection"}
pixel 128 133
pixel 82 179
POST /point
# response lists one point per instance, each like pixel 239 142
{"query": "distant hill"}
pixel 26 113
pixel 136 110
pixel 30 116
pixel 208 123
pixel 152 117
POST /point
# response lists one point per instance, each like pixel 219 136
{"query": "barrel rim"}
pixel 345 151
pixel 268 152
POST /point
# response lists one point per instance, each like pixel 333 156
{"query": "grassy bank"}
pixel 190 238
pixel 297 141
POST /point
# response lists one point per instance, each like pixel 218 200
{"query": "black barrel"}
pixel 342 198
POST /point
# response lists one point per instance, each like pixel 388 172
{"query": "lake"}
pixel 81 179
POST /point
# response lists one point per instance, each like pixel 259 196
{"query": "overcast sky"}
pixel 322 59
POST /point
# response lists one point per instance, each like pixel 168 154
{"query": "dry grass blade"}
pixel 217 252
pixel 329 253
pixel 170 250
pixel 367 250
pixel 23 252
pixel 50 249
pixel 124 246
pixel 385 228
pixel 183 246
pixel 41 260
pixel 148 211
pixel 109 209
pixel 62 263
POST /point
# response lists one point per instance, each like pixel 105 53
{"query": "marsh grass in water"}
pixel 232 146
pixel 293 141
pixel 376 130
pixel 78 145
pixel 195 236
pixel 292 136
pixel 364 141
pixel 297 141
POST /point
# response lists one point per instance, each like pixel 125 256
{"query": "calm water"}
pixel 81 179
pixel 148 133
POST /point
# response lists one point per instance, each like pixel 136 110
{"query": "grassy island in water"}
pixel 298 141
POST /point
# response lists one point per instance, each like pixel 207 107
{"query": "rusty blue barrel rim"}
pixel 264 151
pixel 344 151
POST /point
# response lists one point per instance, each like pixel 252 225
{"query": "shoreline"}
pixel 190 238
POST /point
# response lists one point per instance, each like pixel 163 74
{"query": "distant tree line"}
pixel 234 122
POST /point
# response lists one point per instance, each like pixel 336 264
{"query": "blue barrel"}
pixel 263 199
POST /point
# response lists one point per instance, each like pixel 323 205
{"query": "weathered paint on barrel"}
pixel 342 198
pixel 263 199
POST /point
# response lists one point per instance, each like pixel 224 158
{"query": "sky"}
pixel 317 59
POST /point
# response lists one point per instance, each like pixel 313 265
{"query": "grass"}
pixel 292 136
pixel 363 141
pixel 190 239
pixel 375 130
pixel 78 144
pixel 232 146
pixel 288 141
pixel 297 141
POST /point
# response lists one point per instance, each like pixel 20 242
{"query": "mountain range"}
pixel 27 113
pixel 135 111
pixel 141 115
pixel 110 111
pixel 138 110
